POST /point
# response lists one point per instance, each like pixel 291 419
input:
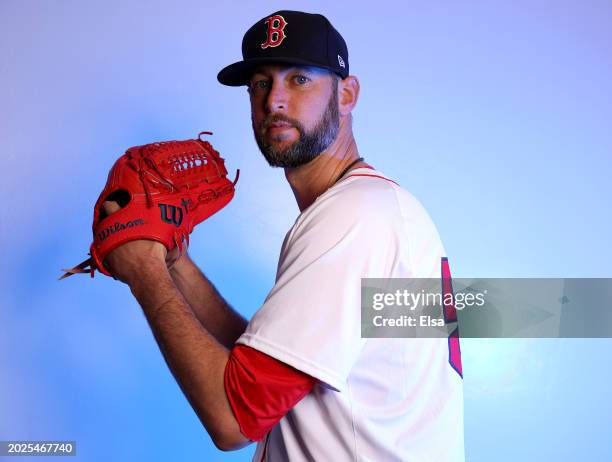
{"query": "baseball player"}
pixel 298 379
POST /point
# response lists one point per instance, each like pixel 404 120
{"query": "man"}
pixel 298 378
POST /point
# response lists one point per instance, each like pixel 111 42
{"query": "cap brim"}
pixel 239 73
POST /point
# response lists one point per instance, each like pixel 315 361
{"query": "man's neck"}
pixel 311 180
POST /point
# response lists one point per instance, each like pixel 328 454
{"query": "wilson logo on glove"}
pixel 176 214
pixel 118 227
pixel 181 183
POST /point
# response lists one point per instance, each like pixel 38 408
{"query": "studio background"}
pixel 495 115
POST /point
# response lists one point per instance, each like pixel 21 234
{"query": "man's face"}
pixel 294 112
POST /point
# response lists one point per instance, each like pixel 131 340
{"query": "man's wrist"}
pixel 148 272
pixel 135 259
pixel 153 288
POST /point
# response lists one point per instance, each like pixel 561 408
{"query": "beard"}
pixel 310 143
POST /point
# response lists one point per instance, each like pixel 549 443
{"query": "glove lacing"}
pixel 160 179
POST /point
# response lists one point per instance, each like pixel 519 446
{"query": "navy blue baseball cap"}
pixel 289 37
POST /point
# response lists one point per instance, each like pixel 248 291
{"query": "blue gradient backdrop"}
pixel 496 115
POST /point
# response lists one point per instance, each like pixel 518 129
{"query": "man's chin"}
pixel 276 158
pixel 285 159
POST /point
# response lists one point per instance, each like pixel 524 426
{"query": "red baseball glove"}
pixel 164 189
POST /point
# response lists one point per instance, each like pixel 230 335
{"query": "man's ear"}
pixel 348 93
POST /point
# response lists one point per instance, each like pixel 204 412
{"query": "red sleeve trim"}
pixel 262 389
pixel 373 176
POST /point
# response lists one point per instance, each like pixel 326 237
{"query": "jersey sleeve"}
pixel 311 319
pixel 261 390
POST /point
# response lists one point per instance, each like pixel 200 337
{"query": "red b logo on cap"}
pixel 276 26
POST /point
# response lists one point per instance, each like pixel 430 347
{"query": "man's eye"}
pixel 301 80
pixel 259 85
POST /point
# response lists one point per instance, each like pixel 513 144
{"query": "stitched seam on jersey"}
pixel 404 233
pixel 371 176
pixel 403 225
pixel 350 396
pixel 335 381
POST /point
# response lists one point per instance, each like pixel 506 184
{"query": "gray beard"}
pixel 309 145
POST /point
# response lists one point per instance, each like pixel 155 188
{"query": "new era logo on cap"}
pixel 289 37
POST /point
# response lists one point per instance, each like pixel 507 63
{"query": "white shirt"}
pixel 378 399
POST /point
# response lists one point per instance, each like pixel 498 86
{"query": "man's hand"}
pixel 128 260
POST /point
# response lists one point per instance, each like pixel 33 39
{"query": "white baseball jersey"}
pixel 378 399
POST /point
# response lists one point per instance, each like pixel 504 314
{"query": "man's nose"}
pixel 276 99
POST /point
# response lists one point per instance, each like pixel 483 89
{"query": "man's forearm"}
pixel 215 314
pixel 194 356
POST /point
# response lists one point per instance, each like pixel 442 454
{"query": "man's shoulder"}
pixel 369 206
pixel 366 193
